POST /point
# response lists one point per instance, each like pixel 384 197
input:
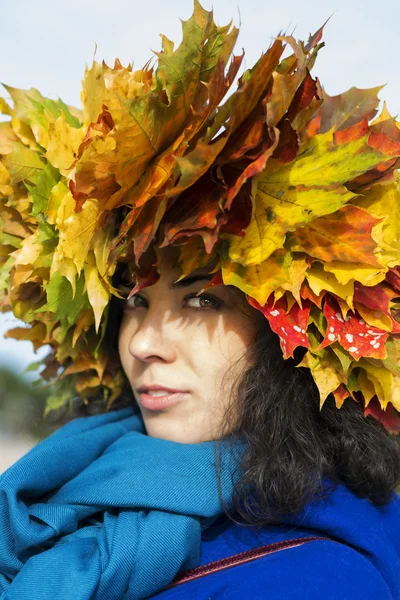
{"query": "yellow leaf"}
pixel 35 334
pixel 66 267
pixel 24 133
pixel 86 362
pixel 96 289
pixel 101 247
pixel 7 137
pixel 262 237
pixel 76 229
pixel 366 385
pixel 325 371
pixel 23 164
pixel 5 187
pixel 29 251
pixel 83 323
pixel 297 273
pixel 5 109
pixel 192 256
pixel 86 380
pixel 348 272
pixel 57 194
pixel 259 281
pixel 93 93
pixel 63 144
pixel 319 280
pixel 106 85
pixel 386 384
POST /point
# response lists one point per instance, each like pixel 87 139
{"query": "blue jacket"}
pixel 365 566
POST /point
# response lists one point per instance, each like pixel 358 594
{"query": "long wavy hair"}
pixel 292 447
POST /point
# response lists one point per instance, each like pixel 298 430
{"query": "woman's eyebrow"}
pixel 179 284
pixel 190 280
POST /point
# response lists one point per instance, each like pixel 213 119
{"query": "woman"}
pixel 220 283
pixel 163 339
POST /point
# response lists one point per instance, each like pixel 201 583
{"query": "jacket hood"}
pixel 373 531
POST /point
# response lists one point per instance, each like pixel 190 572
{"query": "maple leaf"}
pixel 34 114
pixel 345 236
pixel 259 281
pixel 326 371
pixel 290 325
pixel 389 417
pixel 345 110
pixel 353 333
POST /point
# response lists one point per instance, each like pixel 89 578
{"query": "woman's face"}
pixel 172 339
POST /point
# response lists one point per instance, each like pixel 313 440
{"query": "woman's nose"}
pixel 153 341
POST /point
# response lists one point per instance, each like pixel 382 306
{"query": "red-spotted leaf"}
pixel 291 326
pixel 352 333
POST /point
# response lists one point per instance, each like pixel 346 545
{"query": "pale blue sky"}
pixel 46 44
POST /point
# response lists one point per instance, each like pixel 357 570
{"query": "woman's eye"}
pixel 202 302
pixel 135 302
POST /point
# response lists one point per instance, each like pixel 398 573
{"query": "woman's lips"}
pixel 159 402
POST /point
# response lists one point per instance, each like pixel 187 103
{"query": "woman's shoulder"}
pixel 321 569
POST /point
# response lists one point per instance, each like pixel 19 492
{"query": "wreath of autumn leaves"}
pixel 293 194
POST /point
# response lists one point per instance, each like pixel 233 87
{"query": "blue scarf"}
pixel 102 510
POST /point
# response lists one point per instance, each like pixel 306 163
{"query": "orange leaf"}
pixel 344 235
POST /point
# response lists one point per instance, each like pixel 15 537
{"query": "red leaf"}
pixel 239 215
pixel 145 279
pixel 393 277
pixel 216 280
pixel 290 326
pixel 389 417
pixel 377 297
pixel 196 209
pixel 288 145
pixel 303 97
pixel 352 333
pixel 253 168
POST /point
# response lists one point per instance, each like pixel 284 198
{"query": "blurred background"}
pixel 46 45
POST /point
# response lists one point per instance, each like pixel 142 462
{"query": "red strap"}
pixel 238 559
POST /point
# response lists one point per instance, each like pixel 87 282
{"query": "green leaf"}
pixel 60 299
pixel 63 393
pixel 40 192
pixel 23 164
